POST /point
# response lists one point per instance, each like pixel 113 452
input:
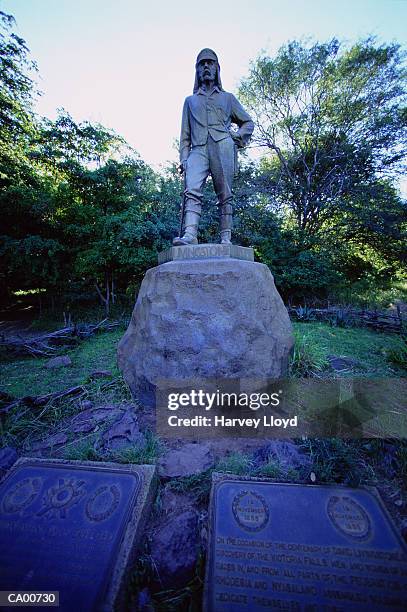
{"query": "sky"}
pixel 129 64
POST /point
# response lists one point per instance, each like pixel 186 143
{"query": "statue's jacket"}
pixel 212 114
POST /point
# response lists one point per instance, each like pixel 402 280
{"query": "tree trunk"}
pixel 112 293
pixel 104 300
pixel 107 301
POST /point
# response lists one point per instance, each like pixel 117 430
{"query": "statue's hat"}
pixel 207 54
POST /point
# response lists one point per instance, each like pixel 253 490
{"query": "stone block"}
pixel 62 361
pixel 174 550
pixel 186 461
pixel 203 251
pixel 218 319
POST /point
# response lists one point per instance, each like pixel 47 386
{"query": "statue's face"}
pixel 206 70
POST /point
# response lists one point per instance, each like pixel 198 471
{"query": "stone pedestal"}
pixel 206 251
pixel 210 318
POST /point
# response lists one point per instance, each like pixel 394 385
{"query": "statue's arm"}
pixel 185 138
pixel 243 120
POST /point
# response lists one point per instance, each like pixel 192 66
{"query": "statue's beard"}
pixel 207 77
pixel 199 81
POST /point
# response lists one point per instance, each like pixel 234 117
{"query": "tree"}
pixel 16 94
pixel 116 237
pixel 18 179
pixel 67 145
pixel 333 120
pixel 104 197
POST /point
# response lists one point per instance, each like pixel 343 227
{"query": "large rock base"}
pixel 205 319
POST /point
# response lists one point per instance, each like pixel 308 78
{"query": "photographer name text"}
pixel 222 421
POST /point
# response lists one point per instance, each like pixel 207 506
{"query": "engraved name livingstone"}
pixel 301 547
pixel 203 251
pixel 72 527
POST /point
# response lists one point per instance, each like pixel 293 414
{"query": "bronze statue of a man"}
pixel 208 146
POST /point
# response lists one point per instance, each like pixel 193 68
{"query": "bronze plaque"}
pixel 64 527
pixel 301 547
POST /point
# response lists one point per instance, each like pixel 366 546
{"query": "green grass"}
pixel 235 463
pixel 147 453
pixel 25 424
pixel 314 342
pixel 340 461
pixel 82 450
pixel 398 356
pixel 274 470
pixel 308 358
pixel 141 454
pixel 332 460
pixel 29 376
pixel 370 348
pixel 21 425
pixel 199 485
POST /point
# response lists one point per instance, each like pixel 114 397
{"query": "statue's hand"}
pixel 237 139
pixel 182 167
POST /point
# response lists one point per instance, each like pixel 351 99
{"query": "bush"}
pixel 398 356
pixel 301 267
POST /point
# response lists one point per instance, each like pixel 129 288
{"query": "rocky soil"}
pixel 177 531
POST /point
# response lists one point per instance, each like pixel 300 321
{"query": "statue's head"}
pixel 207 65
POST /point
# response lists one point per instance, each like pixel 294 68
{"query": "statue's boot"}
pixel 226 224
pixel 191 221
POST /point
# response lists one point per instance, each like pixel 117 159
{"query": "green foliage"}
pixel 398 355
pixel 335 460
pixel 274 470
pixel 368 293
pixel 333 121
pixel 24 423
pixel 83 217
pixel 388 456
pixel 308 358
pixel 145 453
pixel 302 266
pixel 305 314
pixel 16 95
pixel 271 469
pixel 341 318
pixel 331 118
pixel 235 463
pixel 368 348
pixel 68 147
pixel 198 485
pixel 96 353
pixel 82 450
